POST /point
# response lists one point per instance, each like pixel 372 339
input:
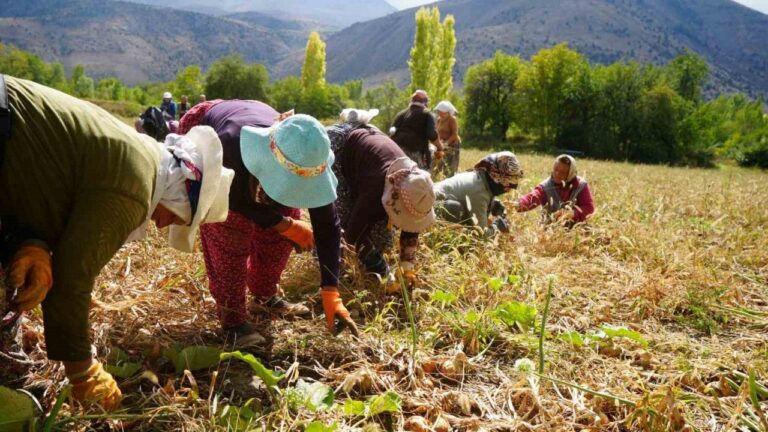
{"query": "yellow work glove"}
pixel 300 234
pixel 31 274
pixel 334 310
pixel 96 386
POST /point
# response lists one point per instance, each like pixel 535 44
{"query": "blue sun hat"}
pixel 292 160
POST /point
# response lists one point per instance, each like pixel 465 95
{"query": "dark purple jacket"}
pixel 227 118
pixel 367 156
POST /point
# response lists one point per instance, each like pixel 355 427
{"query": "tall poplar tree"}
pixel 313 70
pixel 421 51
pixel 432 54
pixel 445 60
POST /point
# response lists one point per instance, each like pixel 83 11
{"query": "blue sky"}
pixel 761 5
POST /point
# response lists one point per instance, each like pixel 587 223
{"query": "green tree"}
pixel 189 82
pixel 490 95
pixel 38 70
pixel 578 112
pixel 736 127
pixel 615 129
pixel 421 52
pixel 58 79
pixel 445 60
pixel 231 78
pixel 109 88
pixel 432 55
pixel 13 61
pixel 84 87
pixel 687 74
pixel 354 90
pixel 118 91
pixel 313 70
pixel 285 94
pixel 77 72
pixel 661 110
pixel 552 74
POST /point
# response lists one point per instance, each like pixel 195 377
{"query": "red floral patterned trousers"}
pixel 238 254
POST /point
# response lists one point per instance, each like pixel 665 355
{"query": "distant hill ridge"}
pixel 131 41
pixel 731 37
pixel 334 13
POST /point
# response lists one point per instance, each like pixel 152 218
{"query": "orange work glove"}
pixel 409 272
pixel 391 284
pixel 300 234
pixel 334 309
pixel 31 274
pixel 96 386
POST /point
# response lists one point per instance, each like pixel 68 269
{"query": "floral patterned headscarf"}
pixel 503 168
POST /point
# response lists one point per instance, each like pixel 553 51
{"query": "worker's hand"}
pixel 439 154
pixel 299 233
pixel 96 386
pixel 31 274
pixel 501 224
pixel 336 315
pixel 563 215
pixel 391 284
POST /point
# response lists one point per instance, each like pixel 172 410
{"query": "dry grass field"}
pixel 657 321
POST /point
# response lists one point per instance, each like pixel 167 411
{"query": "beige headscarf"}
pixel 572 172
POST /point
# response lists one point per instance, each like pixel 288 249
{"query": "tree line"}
pixel 556 100
pixel 621 111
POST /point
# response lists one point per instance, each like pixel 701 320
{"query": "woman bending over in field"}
pixel 379 188
pixel 85 183
pixel 282 164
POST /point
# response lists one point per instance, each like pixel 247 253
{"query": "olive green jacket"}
pixel 81 181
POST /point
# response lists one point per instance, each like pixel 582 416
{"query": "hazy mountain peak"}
pixel 334 13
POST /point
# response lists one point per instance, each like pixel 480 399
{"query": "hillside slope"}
pixel 731 37
pixel 335 13
pixel 134 42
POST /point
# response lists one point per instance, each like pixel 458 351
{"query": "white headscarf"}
pixel 174 196
pixel 354 115
pixel 446 106
pixel 170 187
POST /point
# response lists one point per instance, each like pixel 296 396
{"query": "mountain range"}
pixel 731 37
pixel 139 42
pixel 333 13
pixel 134 42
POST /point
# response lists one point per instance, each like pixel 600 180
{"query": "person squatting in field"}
pixel 85 183
pixel 564 197
pixel 379 187
pixel 281 166
pixel 468 198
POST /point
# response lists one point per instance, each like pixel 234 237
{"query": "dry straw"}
pixel 677 255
